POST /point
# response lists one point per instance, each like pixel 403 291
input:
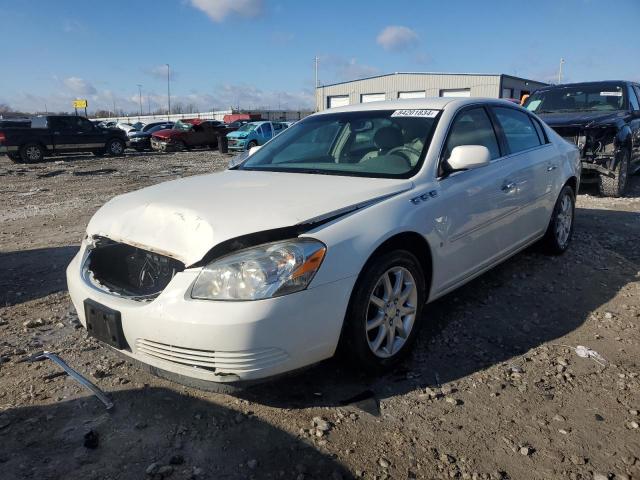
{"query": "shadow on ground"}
pixel 152 425
pixel 29 274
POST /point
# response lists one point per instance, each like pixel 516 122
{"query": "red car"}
pixel 189 133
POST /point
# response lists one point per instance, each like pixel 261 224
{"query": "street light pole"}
pixel 140 98
pixel 560 71
pixel 168 95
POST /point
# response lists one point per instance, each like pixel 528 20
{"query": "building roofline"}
pixel 430 73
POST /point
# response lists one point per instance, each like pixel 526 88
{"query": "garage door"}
pixel 418 94
pixel 460 92
pixel 372 97
pixel 338 101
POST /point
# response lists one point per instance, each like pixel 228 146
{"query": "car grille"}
pixel 129 271
pixel 212 360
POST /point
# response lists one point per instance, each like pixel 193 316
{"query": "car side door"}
pixel 65 134
pixel 534 162
pixel 474 206
pixel 266 132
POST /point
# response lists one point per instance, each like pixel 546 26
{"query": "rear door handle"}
pixel 508 186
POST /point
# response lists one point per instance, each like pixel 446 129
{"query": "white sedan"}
pixel 334 235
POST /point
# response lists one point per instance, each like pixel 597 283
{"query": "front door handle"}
pixel 508 186
pixel 551 168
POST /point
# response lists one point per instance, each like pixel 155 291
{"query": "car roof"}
pixel 429 103
pixel 583 84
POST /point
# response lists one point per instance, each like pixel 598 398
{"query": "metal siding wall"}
pixel 519 84
pixel 480 86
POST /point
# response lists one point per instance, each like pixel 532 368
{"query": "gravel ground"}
pixel 494 390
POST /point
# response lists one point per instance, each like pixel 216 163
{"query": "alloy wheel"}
pixel 33 153
pixel 116 148
pixel 391 312
pixel 564 221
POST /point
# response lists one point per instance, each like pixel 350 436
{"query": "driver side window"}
pixel 472 127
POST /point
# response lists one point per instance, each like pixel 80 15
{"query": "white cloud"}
pixel 345 68
pixel 218 10
pixel 397 38
pixel 160 72
pixel 79 86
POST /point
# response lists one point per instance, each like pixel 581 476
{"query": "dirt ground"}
pixel 494 390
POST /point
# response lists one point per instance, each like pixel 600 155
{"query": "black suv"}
pixel 603 120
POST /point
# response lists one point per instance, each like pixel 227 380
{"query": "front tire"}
pixel 384 311
pixel 115 147
pixel 616 186
pixel 560 230
pixel 32 153
pixel 251 144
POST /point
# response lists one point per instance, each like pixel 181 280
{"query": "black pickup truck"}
pixel 53 134
pixel 603 120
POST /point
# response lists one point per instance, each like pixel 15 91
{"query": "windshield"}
pixel 180 125
pixel 378 143
pixel 599 97
pixel 247 127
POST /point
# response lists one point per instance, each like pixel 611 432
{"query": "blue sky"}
pixel 260 53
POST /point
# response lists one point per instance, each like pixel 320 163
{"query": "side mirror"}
pixel 253 150
pixel 468 157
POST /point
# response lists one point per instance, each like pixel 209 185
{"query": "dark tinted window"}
pixel 518 129
pixel 594 97
pixel 472 127
pixel 540 130
pixel 633 100
pixel 266 129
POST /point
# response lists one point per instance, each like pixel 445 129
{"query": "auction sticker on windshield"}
pixel 610 94
pixel 415 113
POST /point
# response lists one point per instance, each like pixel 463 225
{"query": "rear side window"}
pixel 518 129
pixel 266 129
pixel 540 130
pixel 633 100
pixel 472 127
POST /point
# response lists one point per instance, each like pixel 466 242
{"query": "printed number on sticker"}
pixel 415 113
pixel 610 94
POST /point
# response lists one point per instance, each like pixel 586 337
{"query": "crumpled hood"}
pixel 581 119
pixel 165 134
pixel 185 218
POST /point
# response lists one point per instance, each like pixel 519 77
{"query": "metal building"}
pixel 418 85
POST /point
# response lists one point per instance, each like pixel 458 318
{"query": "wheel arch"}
pixel 573 183
pixel 412 242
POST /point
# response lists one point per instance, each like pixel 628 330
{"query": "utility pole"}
pixel 168 95
pixel 315 90
pixel 560 71
pixel 140 97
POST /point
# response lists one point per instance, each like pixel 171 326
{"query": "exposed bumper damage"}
pixel 599 148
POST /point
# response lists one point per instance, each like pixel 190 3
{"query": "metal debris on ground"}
pixel 585 352
pixel 36 357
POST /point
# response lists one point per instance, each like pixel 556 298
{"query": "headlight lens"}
pixel 266 271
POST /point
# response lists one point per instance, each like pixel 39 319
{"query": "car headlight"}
pixel 265 271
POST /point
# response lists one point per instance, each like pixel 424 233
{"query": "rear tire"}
pixel 385 311
pixel 616 186
pixel 560 230
pixel 115 147
pixel 32 153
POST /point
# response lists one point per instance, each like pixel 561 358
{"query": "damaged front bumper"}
pixel 202 341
